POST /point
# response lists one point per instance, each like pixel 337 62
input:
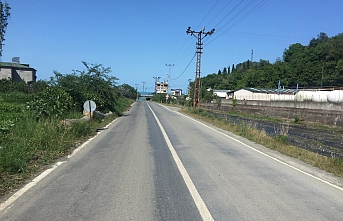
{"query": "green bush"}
pixel 53 102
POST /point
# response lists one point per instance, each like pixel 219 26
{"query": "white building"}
pixel 161 87
pixel 224 94
pixel 265 94
pixel 176 92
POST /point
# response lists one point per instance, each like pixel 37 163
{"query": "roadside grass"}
pixel 29 145
pixel 278 143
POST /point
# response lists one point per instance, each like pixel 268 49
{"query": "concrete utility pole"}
pixel 143 85
pixel 155 84
pixel 199 35
pixel 169 73
pixel 137 90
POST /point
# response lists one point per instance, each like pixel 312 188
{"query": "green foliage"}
pixel 27 144
pixel 296 119
pixel 161 98
pixel 8 85
pixel 53 102
pixel 234 102
pixel 94 83
pixel 4 16
pixel 127 91
pixel 282 138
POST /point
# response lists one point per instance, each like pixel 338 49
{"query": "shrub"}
pixel 53 102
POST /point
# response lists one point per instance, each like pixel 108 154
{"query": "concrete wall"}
pixel 25 75
pixel 18 74
pixel 312 112
pixel 5 73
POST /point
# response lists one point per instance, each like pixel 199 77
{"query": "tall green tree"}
pixel 5 15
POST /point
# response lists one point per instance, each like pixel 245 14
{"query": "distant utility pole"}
pixel 155 84
pixel 189 87
pixel 137 90
pixel 199 35
pixel 169 73
pixel 252 57
pixel 143 85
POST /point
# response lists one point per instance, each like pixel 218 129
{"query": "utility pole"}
pixel 189 87
pixel 252 56
pixel 155 84
pixel 199 45
pixel 143 85
pixel 169 73
pixel 137 90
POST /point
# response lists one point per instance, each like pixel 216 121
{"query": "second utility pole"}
pixel 200 35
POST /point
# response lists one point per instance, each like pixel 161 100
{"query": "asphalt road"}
pixel 156 164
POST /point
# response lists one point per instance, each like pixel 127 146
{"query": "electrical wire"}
pixel 259 5
pixel 207 14
pixel 228 14
pixel 219 13
pixel 185 68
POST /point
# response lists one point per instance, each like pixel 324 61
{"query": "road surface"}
pixel 156 164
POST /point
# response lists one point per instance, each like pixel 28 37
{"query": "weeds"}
pixel 296 119
pixel 28 144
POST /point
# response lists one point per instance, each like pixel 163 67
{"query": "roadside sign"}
pixel 89 106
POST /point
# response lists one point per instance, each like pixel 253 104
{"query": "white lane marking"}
pixel 20 192
pixel 204 212
pixel 252 148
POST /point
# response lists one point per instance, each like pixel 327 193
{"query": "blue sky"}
pixel 138 38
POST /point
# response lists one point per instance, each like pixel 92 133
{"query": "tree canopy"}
pixel 5 15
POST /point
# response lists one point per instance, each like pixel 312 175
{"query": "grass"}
pixel 278 143
pixel 28 145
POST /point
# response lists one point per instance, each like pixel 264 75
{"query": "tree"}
pixel 127 91
pixel 233 68
pixel 95 83
pixel 5 15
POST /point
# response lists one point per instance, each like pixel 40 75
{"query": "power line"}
pixel 185 68
pixel 218 13
pixel 207 14
pixel 259 5
pixel 228 14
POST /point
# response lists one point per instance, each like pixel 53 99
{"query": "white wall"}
pixel 5 73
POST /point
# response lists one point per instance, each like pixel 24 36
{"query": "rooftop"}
pixel 17 65
pixel 269 90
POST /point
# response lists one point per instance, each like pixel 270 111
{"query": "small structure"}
pixel 224 94
pixel 17 72
pixel 176 92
